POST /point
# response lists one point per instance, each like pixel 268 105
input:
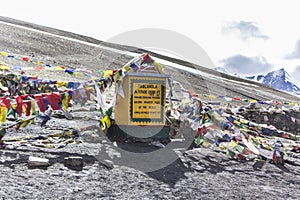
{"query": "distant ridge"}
pixel 278 79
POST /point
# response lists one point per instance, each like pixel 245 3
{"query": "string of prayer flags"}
pixel 41 66
pixel 54 140
pixel 24 122
pixel 138 63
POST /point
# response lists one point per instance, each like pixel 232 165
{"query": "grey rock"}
pixel 107 163
pixel 74 161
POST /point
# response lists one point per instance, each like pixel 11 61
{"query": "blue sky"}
pixel 247 37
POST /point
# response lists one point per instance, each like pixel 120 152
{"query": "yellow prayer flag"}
pixel 65 101
pixel 211 96
pixel 69 133
pixel 105 122
pixel 3 111
pixel 26 122
pixel 244 121
pixel 59 68
pixel 4 67
pixel 78 74
pixel 23 108
pixel 126 68
pixel 158 67
pixel 233 144
pixel 117 76
pixel 61 83
pixel 206 144
pixel 4 54
pixel 14 105
pixel 222 147
pixel 107 73
pixel 267 146
pixel 33 107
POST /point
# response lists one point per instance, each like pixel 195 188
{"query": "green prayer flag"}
pixel 199 140
pixel 2 132
pixel 239 148
pixel 12 112
pixel 230 153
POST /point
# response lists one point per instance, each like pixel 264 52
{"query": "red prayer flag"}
pixel 27 106
pixel 38 68
pixel 39 100
pixel 54 99
pixel 19 101
pixel 277 102
pixel 25 59
pixel 6 102
pixel 146 58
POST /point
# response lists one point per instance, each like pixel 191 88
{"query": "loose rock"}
pixel 37 162
pixel 74 161
pixel 107 163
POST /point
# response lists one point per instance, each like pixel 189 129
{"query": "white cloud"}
pixel 296 53
pixel 200 21
pixel 246 65
pixel 246 30
pixel 296 73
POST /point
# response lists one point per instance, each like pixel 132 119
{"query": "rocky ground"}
pixel 114 170
pixel 110 171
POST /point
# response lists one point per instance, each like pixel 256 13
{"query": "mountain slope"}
pixel 77 51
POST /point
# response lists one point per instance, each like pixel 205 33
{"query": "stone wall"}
pixel 286 121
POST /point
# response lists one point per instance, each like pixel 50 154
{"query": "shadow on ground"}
pixel 170 174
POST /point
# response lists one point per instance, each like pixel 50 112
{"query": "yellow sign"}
pixel 144 100
pixel 147 100
pixel 146 103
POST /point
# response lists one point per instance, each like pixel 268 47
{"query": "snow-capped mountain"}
pixel 258 78
pixel 279 79
pixel 224 71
